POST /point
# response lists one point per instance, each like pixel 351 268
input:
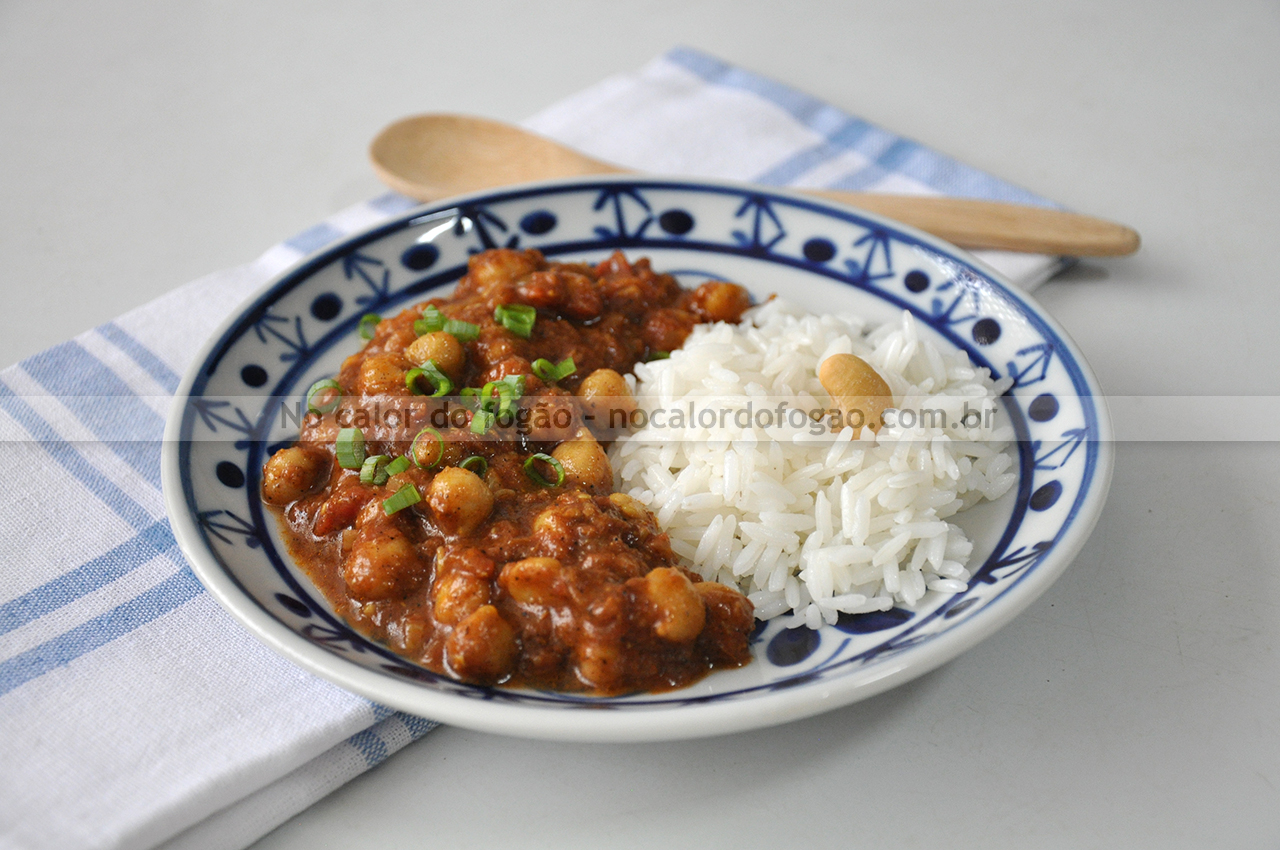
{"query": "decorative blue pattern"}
pixel 622 202
pixel 739 233
pixel 766 228
pixel 373 273
pixel 484 226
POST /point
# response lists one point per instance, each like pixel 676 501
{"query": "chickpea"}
pixel 459 500
pixel 554 526
pixel 458 594
pixel 718 301
pixel 597 665
pixel 585 463
pixel 380 376
pixel 500 266
pixel 554 531
pixel 383 564
pixel 857 389
pixel 292 473
pixel 681 612
pixel 607 399
pixel 443 348
pixel 482 648
pixel 551 416
pixel 629 506
pixel 532 580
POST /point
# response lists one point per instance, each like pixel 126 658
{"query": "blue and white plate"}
pixel 241 399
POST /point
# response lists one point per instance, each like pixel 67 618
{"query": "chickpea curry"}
pixel 450 494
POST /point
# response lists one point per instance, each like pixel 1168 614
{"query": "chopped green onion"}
pixel 551 372
pixel 429 370
pixel 494 397
pixel 477 464
pixel 373 473
pixel 530 469
pixel 368 322
pixel 403 498
pixel 432 320
pixel 350 448
pixel 516 382
pixel 319 387
pixel 545 370
pixel 397 466
pixel 441 382
pixel 510 389
pixel 413 448
pixel 506 397
pixel 517 318
pixel 657 355
pixel 462 331
pixel 481 421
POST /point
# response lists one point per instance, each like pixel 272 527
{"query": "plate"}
pixel 244 395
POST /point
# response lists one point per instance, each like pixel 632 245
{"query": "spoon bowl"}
pixel 429 157
pixel 434 156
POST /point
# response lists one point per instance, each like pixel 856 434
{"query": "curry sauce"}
pixel 451 495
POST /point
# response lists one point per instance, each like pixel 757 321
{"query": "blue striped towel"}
pixel 134 713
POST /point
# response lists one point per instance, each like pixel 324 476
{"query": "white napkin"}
pixel 688 113
pixel 134 713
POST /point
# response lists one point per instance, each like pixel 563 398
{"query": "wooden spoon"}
pixel 429 157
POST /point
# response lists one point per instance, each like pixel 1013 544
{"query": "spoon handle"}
pixel 991 224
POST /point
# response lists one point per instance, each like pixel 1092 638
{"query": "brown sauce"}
pixel 508 570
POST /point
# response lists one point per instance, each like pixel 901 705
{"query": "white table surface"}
pixel 1136 704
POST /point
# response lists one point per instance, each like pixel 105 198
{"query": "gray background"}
pixel 145 144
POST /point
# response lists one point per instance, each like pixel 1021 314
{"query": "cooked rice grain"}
pixel 812 526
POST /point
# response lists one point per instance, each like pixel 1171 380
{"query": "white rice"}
pixel 811 525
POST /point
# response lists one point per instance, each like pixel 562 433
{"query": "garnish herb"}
pixel 517 318
pixel 403 498
pixel 551 372
pixel 373 473
pixel 350 448
pixel 368 322
pixel 428 370
pixel 398 466
pixel 531 470
pixel 433 320
pixel 320 387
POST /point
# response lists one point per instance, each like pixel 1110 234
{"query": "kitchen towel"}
pixel 134 712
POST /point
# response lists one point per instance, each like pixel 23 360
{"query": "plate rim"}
pixel 561 722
